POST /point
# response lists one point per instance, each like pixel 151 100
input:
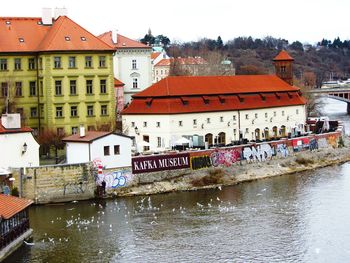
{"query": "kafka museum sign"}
pixel 156 163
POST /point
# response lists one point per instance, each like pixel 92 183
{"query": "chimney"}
pixel 11 121
pixel 115 36
pixel 46 17
pixel 82 131
pixel 60 12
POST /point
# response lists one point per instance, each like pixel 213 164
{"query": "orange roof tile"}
pixel 11 205
pixel 210 85
pixel 6 131
pixel 88 138
pixel 118 83
pixel 154 55
pixel 122 41
pixel 20 34
pixel 283 55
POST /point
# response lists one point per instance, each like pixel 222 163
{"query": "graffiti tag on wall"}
pixel 322 143
pixel 313 144
pixel 199 162
pixel 282 150
pixel 115 179
pixel 259 153
pixel 225 157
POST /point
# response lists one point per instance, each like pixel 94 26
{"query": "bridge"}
pixel 341 93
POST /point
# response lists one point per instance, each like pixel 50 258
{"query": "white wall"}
pixel 11 146
pixel 170 130
pixel 124 72
pixel 77 152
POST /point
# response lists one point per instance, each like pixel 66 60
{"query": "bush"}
pixel 15 191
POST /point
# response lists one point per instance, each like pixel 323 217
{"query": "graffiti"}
pixel 322 143
pixel 200 162
pixel 225 157
pixel 299 144
pixel 332 140
pixel 282 150
pixel 261 153
pixel 313 144
pixel 115 179
pixel 74 188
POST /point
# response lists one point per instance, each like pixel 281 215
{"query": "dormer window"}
pixel 83 38
pixel 8 22
pixel 67 38
pixel 21 39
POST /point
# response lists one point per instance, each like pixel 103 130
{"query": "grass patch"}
pixel 215 176
pixel 303 161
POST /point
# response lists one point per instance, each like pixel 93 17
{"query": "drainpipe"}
pixel 38 91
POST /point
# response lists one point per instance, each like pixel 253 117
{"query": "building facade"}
pixel 56 74
pixel 132 63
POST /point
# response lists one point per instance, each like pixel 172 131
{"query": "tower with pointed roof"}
pixel 284 66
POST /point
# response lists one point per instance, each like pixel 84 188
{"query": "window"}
pixel 33 112
pixel 158 124
pixel 106 150
pixel 57 62
pixel 91 128
pixel 283 68
pixel 221 119
pixel 73 111
pixel 159 142
pixel 116 149
pixel 297 111
pixel 283 113
pixel 133 64
pixel 256 115
pixel 60 131
pixel 74 130
pixel 234 117
pixel 58 87
pixel 90 110
pixel 4 89
pixel 31 63
pixel 132 124
pixel 67 38
pixel 18 65
pixel 247 116
pixel 247 130
pixel 234 131
pixel 3 64
pixel 161 72
pixel 89 87
pixel 71 62
pixel 134 83
pixel 59 112
pixel 73 87
pixel 145 124
pixel 32 88
pixel 18 85
pixel 88 62
pixel 194 121
pixel 102 61
pixel 274 114
pixel 104 110
pixel 103 88
pixel 180 123
pixel 266 115
pixel 208 120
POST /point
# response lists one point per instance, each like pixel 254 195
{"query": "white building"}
pixel 216 110
pixel 132 63
pixel 17 144
pixel 114 150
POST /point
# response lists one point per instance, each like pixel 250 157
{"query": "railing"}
pixel 14 233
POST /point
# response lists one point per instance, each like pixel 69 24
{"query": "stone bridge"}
pixel 341 93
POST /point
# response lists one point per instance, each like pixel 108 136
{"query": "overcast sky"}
pixel 185 20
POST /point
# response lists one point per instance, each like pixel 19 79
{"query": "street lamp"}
pixel 24 148
pixel 137 130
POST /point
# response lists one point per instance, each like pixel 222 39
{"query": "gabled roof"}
pixel 154 55
pixel 283 55
pixel 122 41
pixel 21 130
pixel 90 136
pixel 11 205
pixel 118 83
pixel 182 61
pixel 21 34
pixel 211 85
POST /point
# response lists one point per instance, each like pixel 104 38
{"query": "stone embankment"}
pixel 240 172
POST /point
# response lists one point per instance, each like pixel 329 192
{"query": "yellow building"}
pixel 58 75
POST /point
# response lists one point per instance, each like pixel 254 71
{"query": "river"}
pixel 302 217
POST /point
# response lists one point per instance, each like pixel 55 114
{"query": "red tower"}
pixel 284 66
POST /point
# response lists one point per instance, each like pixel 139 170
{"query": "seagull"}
pixel 219 187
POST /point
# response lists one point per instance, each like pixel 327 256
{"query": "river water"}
pixel 302 217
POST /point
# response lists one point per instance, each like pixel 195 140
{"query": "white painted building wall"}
pixel 11 147
pixel 170 130
pixel 124 71
pixel 77 152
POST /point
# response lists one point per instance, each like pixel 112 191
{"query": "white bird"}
pixel 28 243
pixel 154 223
pixel 219 187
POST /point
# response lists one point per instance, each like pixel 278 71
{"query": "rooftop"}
pixel 122 41
pixel 283 55
pixel 6 131
pixel 11 205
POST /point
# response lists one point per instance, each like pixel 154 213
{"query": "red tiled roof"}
pixel 283 55
pixel 63 35
pixel 154 55
pixel 5 131
pixel 173 105
pixel 118 83
pixel 182 61
pixel 11 205
pixel 88 138
pixel 212 85
pixel 122 41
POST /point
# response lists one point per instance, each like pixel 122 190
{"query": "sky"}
pixel 190 20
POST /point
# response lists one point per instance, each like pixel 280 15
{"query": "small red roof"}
pixel 283 55
pixel 154 55
pixel 122 41
pixel 118 83
pixel 11 205
pixel 22 129
pixel 88 138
